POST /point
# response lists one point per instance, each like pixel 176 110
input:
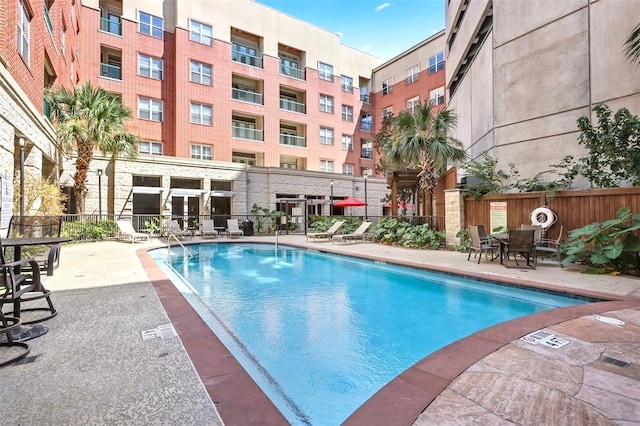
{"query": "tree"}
pixel 421 140
pixel 632 45
pixel 86 119
pixel 614 147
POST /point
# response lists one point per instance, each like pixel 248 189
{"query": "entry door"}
pixel 193 204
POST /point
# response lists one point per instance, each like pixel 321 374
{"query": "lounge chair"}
pixel 327 234
pixel 207 229
pixel 481 243
pixel 233 229
pixel 176 230
pixel 358 235
pixel 127 233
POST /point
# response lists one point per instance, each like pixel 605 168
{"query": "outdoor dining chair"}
pixel 481 245
pixel 550 248
pixel 521 242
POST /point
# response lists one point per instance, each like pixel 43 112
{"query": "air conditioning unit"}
pixel 471 182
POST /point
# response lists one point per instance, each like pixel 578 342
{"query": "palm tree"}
pixel 632 45
pixel 421 139
pixel 87 119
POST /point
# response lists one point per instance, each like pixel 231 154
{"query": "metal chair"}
pixel 521 242
pixel 480 245
pixel 548 247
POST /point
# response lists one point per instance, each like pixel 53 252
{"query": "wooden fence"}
pixel 573 209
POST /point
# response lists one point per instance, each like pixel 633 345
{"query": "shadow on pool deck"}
pixel 93 366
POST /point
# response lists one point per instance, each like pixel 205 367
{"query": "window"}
pixel 387 86
pixel 151 25
pixel 72 68
pixel 436 96
pixel 288 162
pixel 347 143
pixel 200 73
pixel 325 71
pixel 290 65
pixel 146 147
pixel 365 171
pixel 346 83
pixel 326 136
pixel 201 152
pixel 436 63
pixel 150 67
pixel 245 52
pixel 24 32
pixel 243 158
pixel 326 103
pixel 366 122
pixel 201 114
pixel 413 74
pixel 63 39
pixel 347 169
pixel 150 109
pixel 366 150
pixel 200 33
pixel 364 94
pixel 347 113
pixel 326 166
pixel 413 104
pixel 387 112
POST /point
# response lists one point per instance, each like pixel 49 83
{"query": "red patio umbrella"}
pixel 349 202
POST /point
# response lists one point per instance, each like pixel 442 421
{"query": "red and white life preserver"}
pixel 543 216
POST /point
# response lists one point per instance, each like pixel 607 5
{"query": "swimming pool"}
pixel 321 333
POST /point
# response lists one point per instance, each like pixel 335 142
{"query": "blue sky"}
pixel 381 28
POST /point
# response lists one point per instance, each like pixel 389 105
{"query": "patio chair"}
pixel 207 229
pixel 8 325
pixel 327 234
pixel 233 229
pixel 548 247
pixel 521 242
pixel 480 244
pixel 176 230
pixel 127 233
pixel 20 283
pixel 39 226
pixel 358 235
pixel 537 234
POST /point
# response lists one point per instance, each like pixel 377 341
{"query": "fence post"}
pixel 454 215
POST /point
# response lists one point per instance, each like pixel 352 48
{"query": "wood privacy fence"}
pixel 574 209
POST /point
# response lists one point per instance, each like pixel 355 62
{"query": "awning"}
pixel 222 194
pixel 185 192
pixel 146 189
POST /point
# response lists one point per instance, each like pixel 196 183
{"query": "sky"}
pixel 381 28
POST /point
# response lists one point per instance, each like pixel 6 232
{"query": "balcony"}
pixel 111 25
pixel 246 96
pixel 111 71
pixel 292 140
pixel 246 58
pixel 291 72
pixel 366 153
pixel 291 105
pixel 47 20
pixel 364 97
pixel 240 132
pixel 366 126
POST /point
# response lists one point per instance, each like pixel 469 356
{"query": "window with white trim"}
pixel 413 74
pixel 326 166
pixel 347 143
pixel 436 63
pixel 366 148
pixel 150 67
pixel 326 103
pixel 326 136
pixel 346 83
pixel 201 73
pixel 387 112
pixel 200 33
pixel 24 32
pixel 325 71
pixel 201 152
pixel 387 86
pixel 201 114
pixel 413 104
pixel 436 96
pixel 147 147
pixel 347 113
pixel 347 169
pixel 150 25
pixel 150 109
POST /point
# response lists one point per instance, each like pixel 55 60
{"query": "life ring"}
pixel 549 217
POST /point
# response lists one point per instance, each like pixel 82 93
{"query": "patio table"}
pixel 503 241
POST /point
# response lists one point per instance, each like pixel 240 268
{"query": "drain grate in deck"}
pixel 616 362
pixel 545 338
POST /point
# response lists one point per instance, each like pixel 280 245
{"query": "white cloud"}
pixel 382 6
pixel 366 48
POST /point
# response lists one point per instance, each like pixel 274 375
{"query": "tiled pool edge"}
pixel 239 400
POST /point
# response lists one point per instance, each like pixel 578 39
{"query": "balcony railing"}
pixel 47 20
pixel 112 25
pixel 366 153
pixel 245 58
pixel 246 133
pixel 364 97
pixel 367 126
pixel 289 105
pixel 292 72
pixel 111 71
pixel 292 140
pixel 246 96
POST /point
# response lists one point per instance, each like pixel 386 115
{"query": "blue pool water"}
pixel 321 333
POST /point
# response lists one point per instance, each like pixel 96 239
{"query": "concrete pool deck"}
pixel 93 367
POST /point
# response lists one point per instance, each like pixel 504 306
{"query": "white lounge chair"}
pixel 327 234
pixel 126 232
pixel 233 229
pixel 358 235
pixel 176 230
pixel 207 229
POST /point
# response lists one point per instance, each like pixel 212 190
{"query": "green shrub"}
pixel 399 232
pixel 81 230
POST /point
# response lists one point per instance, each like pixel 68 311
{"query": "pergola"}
pixel 406 180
